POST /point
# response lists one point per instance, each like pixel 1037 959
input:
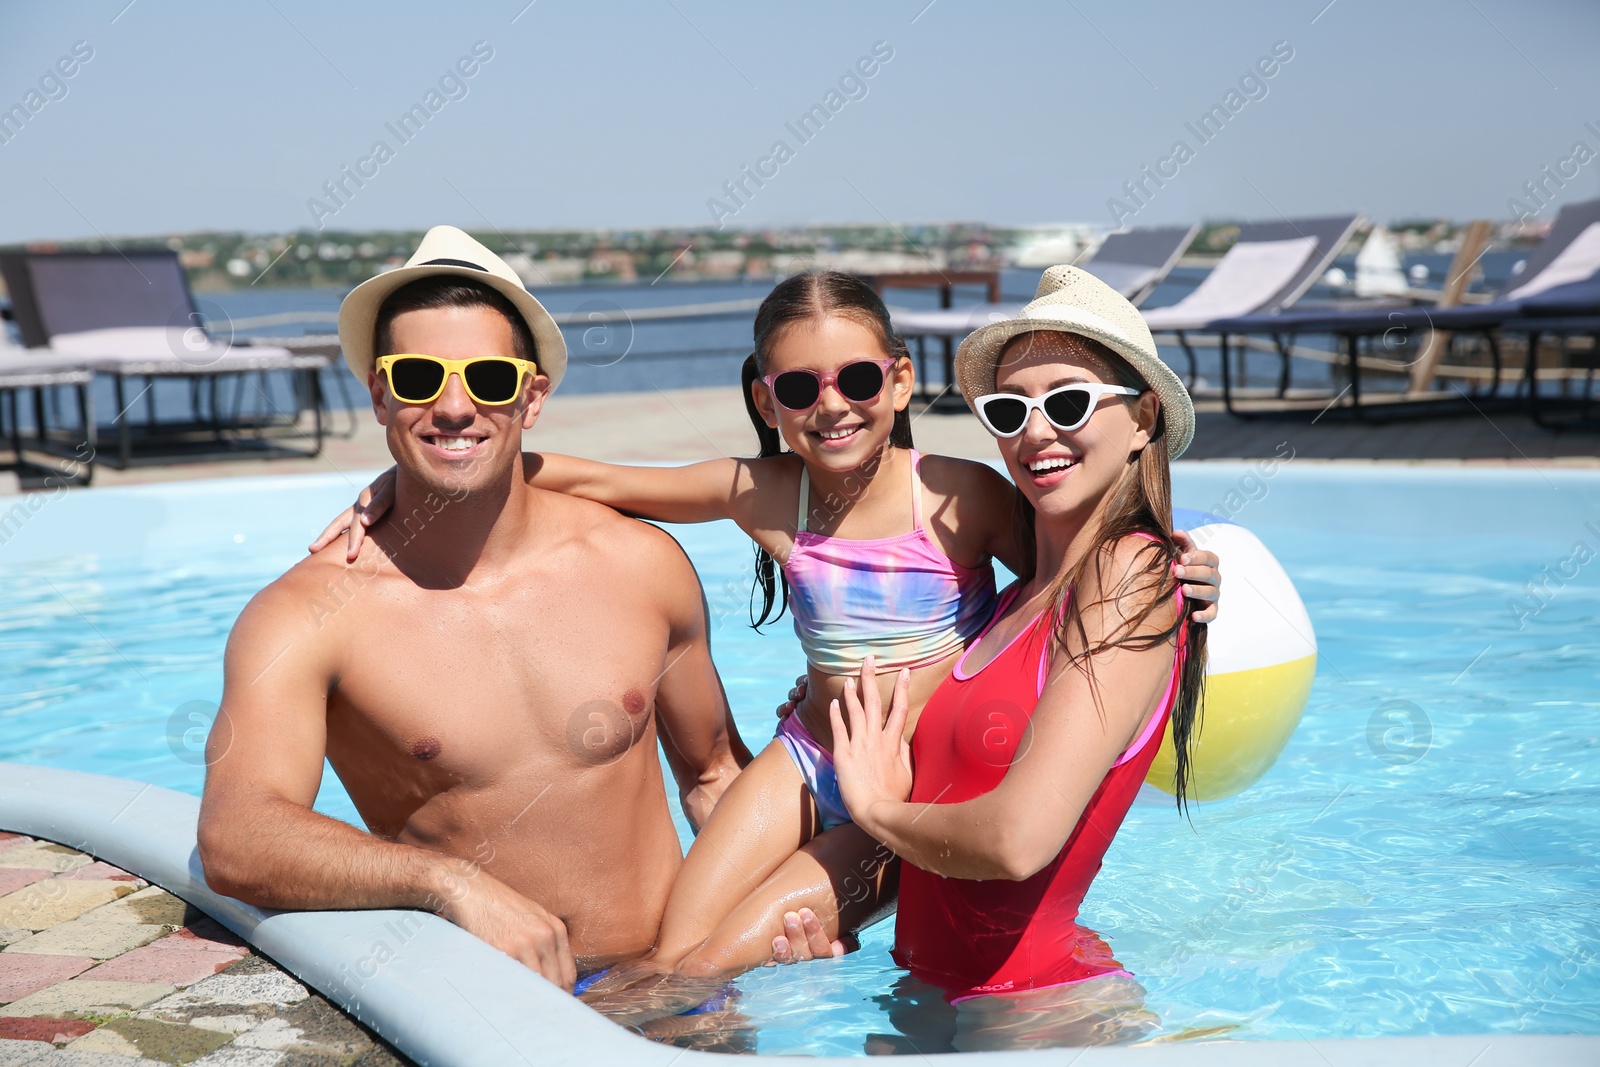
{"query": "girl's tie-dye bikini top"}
pixel 900 598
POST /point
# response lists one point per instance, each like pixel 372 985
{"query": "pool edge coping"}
pixel 149 831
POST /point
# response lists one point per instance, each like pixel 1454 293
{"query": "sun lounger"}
pixel 131 318
pixel 1557 274
pixel 1270 266
pixel 19 373
pixel 1133 262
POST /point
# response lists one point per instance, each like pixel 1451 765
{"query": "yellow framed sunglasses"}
pixel 489 380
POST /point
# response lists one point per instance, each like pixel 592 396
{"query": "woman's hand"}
pixel 872 756
pixel 1199 574
pixel 373 503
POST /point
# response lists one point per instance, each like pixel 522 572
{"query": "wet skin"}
pixel 489 680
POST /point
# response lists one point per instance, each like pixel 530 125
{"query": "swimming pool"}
pixel 1420 861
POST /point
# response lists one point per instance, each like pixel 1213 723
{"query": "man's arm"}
pixel 698 736
pixel 259 839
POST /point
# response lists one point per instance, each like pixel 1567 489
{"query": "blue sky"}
pixel 195 116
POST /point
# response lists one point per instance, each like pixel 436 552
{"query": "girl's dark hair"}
pixel 806 298
pixel 1140 503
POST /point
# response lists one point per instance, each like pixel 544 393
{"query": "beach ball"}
pixel 1261 656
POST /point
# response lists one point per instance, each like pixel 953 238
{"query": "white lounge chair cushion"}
pixel 951 322
pixel 1575 263
pixel 1248 276
pixel 159 349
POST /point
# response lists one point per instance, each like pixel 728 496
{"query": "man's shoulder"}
pixel 310 593
pixel 627 542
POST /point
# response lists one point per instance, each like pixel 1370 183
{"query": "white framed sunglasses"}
pixel 1067 408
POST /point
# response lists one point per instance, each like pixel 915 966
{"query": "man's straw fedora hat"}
pixel 447 250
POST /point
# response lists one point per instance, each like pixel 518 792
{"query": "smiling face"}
pixel 1069 474
pixel 836 434
pixel 455 445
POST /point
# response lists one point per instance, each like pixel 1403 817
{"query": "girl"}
pixel 1073 682
pixel 881 549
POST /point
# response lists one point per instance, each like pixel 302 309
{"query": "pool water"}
pixel 1421 860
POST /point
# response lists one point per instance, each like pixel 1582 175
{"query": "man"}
pixel 488 679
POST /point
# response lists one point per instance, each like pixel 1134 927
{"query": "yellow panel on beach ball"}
pixel 1246 720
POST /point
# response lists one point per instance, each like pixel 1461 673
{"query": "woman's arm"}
pixel 1083 722
pixel 699 492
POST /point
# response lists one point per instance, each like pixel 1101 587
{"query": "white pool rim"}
pixel 444 998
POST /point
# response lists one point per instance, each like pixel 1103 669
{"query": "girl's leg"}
pixel 766 814
pixel 842 874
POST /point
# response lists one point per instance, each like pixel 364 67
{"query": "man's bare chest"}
pixel 468 686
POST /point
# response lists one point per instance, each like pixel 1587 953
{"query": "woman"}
pixel 1028 757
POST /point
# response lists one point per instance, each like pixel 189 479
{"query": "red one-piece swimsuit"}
pixel 974 938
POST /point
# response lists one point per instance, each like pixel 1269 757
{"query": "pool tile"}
pixel 173 959
pixel 52 1030
pixel 87 997
pixel 56 900
pixel 152 1040
pixel 89 936
pixel 52 857
pixel 14 878
pixel 22 974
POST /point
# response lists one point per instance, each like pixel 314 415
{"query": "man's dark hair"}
pixel 450 291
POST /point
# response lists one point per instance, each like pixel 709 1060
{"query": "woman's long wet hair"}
pixel 1140 503
pixel 806 298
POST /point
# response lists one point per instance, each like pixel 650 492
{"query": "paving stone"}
pixel 152 1040
pixel 100 869
pixel 210 931
pixel 174 959
pixel 68 1058
pixel 18 1053
pixel 380 1055
pixel 44 855
pixel 107 1042
pixel 315 1027
pixel 231 988
pixel 21 974
pixel 222 1024
pixel 90 937
pixel 56 900
pixel 14 878
pixel 86 997
pixel 10 840
pixel 233 1056
pixel 44 1029
pixel 10 935
pixel 152 906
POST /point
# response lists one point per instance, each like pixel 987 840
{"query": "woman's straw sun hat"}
pixel 1071 300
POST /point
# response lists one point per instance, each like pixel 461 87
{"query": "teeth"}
pixel 834 435
pixel 455 444
pixel 1054 463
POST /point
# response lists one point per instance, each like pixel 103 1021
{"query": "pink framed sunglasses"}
pixel 858 382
